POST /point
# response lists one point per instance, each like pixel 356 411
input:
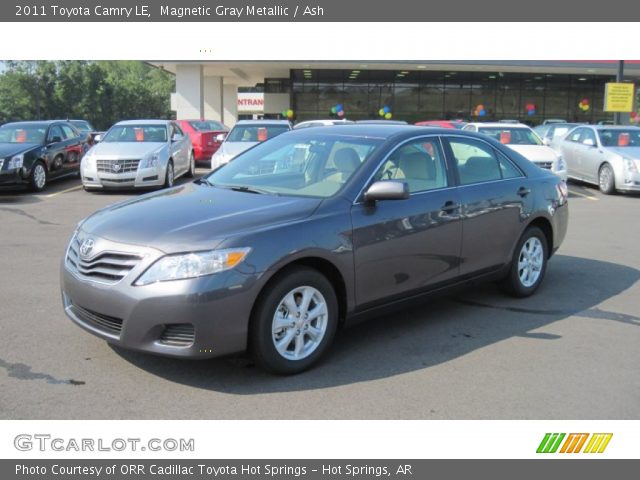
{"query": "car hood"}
pixel 628 152
pixel 193 217
pixel 231 149
pixel 536 153
pixel 7 150
pixel 118 150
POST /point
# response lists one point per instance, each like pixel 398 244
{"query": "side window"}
pixel 68 132
pixel 420 163
pixel 177 129
pixel 470 128
pixel 476 161
pixel 507 168
pixel 588 137
pixel 575 135
pixel 55 131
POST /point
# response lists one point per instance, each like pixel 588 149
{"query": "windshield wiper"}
pixel 249 189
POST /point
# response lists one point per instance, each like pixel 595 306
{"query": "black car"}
pixel 308 231
pixel 32 153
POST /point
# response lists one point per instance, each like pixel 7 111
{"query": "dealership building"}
pixel 529 91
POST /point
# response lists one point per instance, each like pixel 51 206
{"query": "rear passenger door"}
pixel 494 195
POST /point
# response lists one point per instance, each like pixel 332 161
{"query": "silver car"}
pixel 138 153
pixel 604 155
pixel 244 135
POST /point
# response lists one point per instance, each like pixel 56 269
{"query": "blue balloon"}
pixel 386 109
pixel 482 112
pixel 531 112
pixel 339 107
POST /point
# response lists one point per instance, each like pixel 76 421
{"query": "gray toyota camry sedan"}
pixel 307 232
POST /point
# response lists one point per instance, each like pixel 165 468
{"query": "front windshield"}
pixel 136 133
pixel 22 134
pixel 312 165
pixel 255 133
pixel 512 136
pixel 620 137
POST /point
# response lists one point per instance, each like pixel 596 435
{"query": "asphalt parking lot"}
pixel 569 352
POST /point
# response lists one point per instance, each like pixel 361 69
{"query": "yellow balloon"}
pixel 388 116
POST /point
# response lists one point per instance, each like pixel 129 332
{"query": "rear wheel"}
pixel 38 178
pixel 169 176
pixel 294 321
pixel 606 179
pixel 192 165
pixel 529 264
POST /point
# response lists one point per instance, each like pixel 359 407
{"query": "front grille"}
pixel 109 267
pixel 119 180
pixel 105 323
pixel 118 166
pixel 545 165
pixel 178 335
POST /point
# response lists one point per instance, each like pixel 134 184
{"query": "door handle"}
pixel 450 206
pixel 524 191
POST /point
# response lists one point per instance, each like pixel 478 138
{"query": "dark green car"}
pixel 33 153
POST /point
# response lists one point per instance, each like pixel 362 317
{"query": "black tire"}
pixel 261 332
pixel 606 179
pixel 57 163
pixel 39 177
pixel 192 165
pixel 514 283
pixel 169 176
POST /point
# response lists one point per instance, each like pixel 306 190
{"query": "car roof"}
pixel 381 131
pixel 499 125
pixel 145 121
pixel 611 127
pixel 263 122
pixel 44 123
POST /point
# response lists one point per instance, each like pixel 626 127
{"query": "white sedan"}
pixel 138 153
pixel 526 142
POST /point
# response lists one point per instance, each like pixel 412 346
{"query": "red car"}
pixel 442 123
pixel 203 134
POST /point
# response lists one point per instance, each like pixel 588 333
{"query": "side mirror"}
pixel 588 142
pixel 220 137
pixel 387 190
pixel 176 137
pixel 97 138
pixel 546 141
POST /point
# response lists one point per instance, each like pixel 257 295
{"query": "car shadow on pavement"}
pixel 422 336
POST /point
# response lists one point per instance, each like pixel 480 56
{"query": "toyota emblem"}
pixel 86 247
pixel 115 167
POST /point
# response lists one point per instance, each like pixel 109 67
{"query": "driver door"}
pixel 56 153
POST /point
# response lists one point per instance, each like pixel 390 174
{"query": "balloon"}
pixel 531 112
pixel 341 113
pixel 289 113
pixel 482 112
pixel 334 110
pixel 339 107
pixel 386 109
pixel 388 115
pixel 284 113
pixel 381 112
pixel 480 107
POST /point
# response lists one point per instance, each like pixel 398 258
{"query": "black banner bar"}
pixel 584 469
pixel 322 11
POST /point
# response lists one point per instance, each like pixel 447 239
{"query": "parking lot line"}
pixel 588 197
pixel 77 187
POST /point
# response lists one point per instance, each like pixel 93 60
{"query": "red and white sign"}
pixel 250 102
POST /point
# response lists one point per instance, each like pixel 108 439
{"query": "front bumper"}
pixel 627 181
pixel 13 177
pixel 141 178
pixel 211 313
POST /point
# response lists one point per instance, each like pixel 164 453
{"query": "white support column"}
pixel 230 105
pixel 189 96
pixel 213 98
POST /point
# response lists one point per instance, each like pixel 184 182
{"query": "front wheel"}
pixel 169 176
pixel 294 322
pixel 529 264
pixel 38 179
pixel 606 179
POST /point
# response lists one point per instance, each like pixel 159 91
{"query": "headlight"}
pixel 16 162
pixel 191 265
pixel 218 159
pixel 630 165
pixel 150 161
pixel 562 165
